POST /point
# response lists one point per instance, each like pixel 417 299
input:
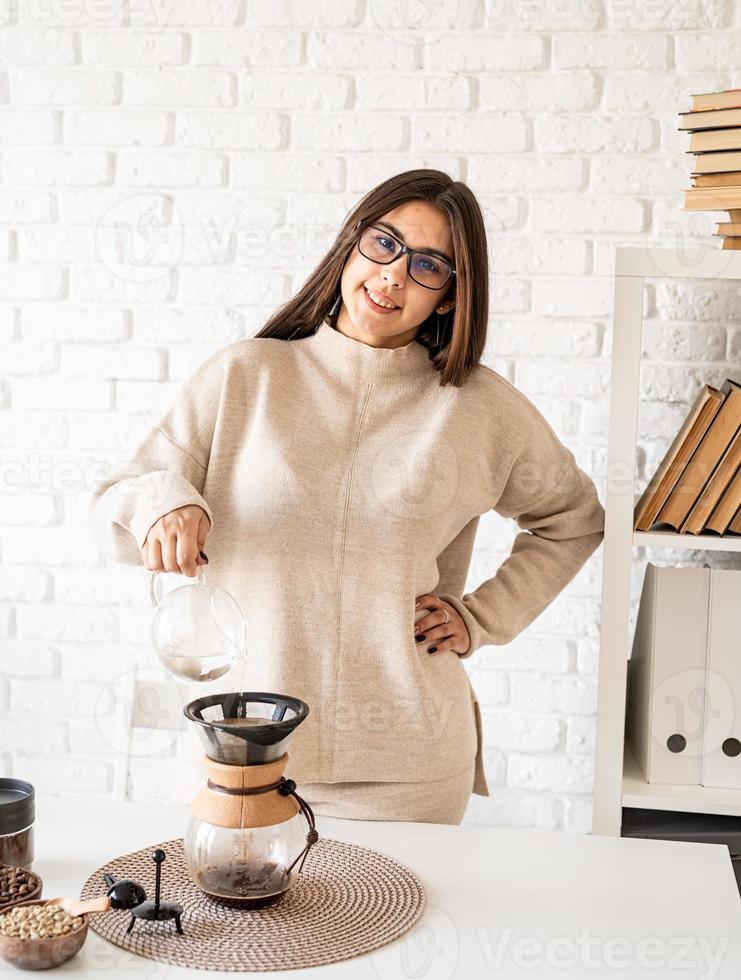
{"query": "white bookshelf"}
pixel 666 796
pixel 617 782
pixel 668 539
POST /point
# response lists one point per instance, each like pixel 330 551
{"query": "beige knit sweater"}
pixel 342 481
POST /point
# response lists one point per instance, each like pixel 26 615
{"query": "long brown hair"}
pixel 462 329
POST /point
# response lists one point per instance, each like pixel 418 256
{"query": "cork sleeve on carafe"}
pixel 223 804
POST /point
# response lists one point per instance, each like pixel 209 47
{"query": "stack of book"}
pixel 715 126
pixel 697 487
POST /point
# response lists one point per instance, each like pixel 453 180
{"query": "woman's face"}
pixel 418 225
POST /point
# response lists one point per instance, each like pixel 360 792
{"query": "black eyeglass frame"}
pixel 409 253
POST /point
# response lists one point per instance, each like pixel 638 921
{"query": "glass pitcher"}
pixel 197 631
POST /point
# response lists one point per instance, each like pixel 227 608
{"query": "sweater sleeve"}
pixel 562 520
pixel 166 470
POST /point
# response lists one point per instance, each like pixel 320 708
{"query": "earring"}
pixel 437 338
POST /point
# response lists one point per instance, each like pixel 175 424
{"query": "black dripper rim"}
pixel 267 734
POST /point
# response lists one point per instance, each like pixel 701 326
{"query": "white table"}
pixel 501 903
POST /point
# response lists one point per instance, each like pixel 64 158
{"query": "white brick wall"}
pixel 170 171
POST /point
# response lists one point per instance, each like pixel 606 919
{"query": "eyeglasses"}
pixel 427 270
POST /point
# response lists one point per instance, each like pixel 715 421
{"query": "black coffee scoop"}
pixel 124 893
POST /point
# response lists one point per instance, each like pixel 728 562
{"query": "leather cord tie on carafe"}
pixel 286 787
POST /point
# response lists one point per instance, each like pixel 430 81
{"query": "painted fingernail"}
pixel 432 649
pixel 203 555
pixel 419 638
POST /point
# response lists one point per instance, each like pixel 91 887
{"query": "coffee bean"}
pixel 38 922
pixel 16 883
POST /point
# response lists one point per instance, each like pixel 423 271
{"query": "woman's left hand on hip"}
pixel 434 629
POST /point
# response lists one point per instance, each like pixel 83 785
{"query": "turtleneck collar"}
pixel 354 360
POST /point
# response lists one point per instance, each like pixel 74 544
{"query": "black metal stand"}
pixel 157 911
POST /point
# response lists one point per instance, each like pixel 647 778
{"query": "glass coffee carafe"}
pixel 247 831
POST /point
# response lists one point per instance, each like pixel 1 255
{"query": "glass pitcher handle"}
pixel 153 597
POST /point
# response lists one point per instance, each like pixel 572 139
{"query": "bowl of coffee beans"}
pixel 17 885
pixel 35 936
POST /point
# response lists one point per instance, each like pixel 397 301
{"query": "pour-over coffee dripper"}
pixel 197 631
pixel 246 833
pixel 245 728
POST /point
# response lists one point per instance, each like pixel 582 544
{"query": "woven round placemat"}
pixel 347 900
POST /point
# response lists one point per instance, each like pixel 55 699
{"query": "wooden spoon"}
pixel 77 907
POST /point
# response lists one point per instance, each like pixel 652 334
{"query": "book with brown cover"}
pixel 705 458
pixel 714 489
pixel 727 506
pixel 676 457
pixel 729 98
pixel 719 162
pixel 709 140
pixel 712 198
pixel 730 232
pixel 735 526
pixel 709 119
pixel 732 178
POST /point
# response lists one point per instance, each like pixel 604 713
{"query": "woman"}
pixel 335 467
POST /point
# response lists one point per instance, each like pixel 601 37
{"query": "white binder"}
pixel 722 749
pixel 667 675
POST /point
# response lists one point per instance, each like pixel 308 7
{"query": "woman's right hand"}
pixel 174 542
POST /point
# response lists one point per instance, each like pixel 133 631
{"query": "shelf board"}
pixel 691 542
pixel 689 263
pixel 667 796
